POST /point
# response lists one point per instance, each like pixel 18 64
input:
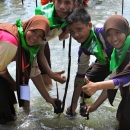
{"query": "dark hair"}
pixel 78 14
pixel 74 1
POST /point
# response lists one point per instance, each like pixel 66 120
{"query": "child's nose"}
pixel 62 6
pixel 76 34
pixel 35 37
pixel 114 38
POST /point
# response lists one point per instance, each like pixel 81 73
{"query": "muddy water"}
pixel 41 116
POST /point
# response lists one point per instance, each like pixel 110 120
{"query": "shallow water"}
pixel 41 116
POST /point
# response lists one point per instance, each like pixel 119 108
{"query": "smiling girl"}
pixel 117 32
pixel 21 42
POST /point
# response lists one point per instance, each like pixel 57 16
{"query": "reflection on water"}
pixel 41 116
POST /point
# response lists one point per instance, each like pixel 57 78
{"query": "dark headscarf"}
pixel 117 22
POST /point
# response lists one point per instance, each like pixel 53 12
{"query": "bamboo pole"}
pixel 122 6
pixel 22 2
pixel 63 43
pixel 68 76
pixel 36 3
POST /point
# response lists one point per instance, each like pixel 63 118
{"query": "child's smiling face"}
pixel 80 31
pixel 34 37
pixel 115 37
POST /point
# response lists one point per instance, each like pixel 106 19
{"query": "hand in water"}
pixel 68 111
pixel 57 77
pixel 91 108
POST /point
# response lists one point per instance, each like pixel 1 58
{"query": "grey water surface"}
pixel 42 116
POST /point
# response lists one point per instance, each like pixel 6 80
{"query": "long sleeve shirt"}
pixel 121 81
pixel 84 59
pixel 84 54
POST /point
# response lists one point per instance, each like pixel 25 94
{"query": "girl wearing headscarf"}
pixel 21 42
pixel 118 34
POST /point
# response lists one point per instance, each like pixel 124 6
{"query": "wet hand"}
pixel 52 101
pixel 90 88
pixel 91 108
pixel 68 112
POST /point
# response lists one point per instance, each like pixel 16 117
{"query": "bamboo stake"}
pixel 63 43
pixel 36 3
pixel 122 6
pixel 68 76
pixel 22 2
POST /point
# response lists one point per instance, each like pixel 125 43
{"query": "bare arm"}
pixel 78 83
pixel 43 61
pixel 90 88
pixel 83 64
pixel 64 35
pixel 76 94
pixel 42 89
pixel 98 102
pixel 54 75
pixel 77 89
pixel 101 98
pixel 105 85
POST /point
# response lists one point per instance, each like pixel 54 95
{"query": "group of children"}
pixel 28 43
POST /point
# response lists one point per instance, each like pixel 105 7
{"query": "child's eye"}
pixel 67 2
pixel 79 29
pixel 59 1
pixel 33 31
pixel 108 35
pixel 118 32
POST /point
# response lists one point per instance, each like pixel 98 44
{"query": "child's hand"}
pixel 90 88
pixel 91 108
pixel 57 77
pixel 53 102
pixel 74 106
